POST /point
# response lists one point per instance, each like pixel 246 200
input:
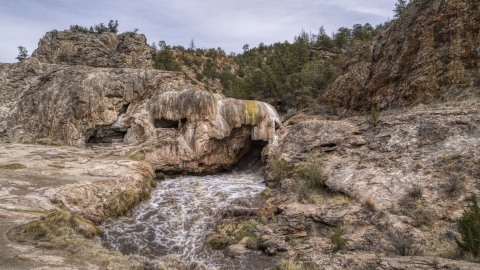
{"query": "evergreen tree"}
pixel 400 7
pixel 469 228
pixel 22 53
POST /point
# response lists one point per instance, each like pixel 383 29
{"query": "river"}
pixel 178 217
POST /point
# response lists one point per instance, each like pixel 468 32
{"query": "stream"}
pixel 179 216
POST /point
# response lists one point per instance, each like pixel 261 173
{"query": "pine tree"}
pixel 469 228
pixel 400 7
pixel 22 53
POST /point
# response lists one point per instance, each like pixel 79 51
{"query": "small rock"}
pixel 234 250
pixel 271 251
pixel 282 249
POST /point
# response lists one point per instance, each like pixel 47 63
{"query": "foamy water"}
pixel 178 217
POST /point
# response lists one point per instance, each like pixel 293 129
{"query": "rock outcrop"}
pixel 430 53
pixel 127 50
pixel 173 125
pixel 382 163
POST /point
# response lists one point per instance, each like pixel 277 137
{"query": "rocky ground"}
pixel 394 189
pixel 36 180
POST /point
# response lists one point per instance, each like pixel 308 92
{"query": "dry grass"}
pixel 138 156
pixel 65 232
pixel 370 205
pixel 125 200
pixel 268 193
pixel 288 265
pixel 12 166
pixel 44 141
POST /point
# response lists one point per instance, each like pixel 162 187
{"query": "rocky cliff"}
pixel 97 50
pixel 174 125
pixel 430 53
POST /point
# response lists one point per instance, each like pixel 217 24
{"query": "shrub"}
pixel 421 217
pixel 279 169
pixel 404 244
pixel 62 57
pixel 311 171
pixel 415 192
pixel 338 242
pixel 310 177
pixel 374 116
pixel 455 184
pixel 469 228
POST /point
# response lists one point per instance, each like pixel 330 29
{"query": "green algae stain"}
pixel 251 112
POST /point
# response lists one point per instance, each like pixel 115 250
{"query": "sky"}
pixel 228 24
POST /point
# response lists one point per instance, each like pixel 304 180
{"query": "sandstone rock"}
pixel 430 53
pixel 127 50
pixel 237 249
pixel 424 263
pixel 171 124
pixel 407 148
pixel 290 222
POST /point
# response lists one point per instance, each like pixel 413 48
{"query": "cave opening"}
pixel 165 123
pixel 252 159
pixel 104 134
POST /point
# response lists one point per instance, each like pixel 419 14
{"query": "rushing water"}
pixel 181 212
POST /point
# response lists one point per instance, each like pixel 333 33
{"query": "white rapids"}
pixel 179 215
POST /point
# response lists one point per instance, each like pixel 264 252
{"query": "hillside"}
pixel 430 54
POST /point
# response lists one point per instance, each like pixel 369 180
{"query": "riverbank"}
pixel 36 180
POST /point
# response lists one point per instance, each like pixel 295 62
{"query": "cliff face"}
pixel 430 53
pixel 165 120
pixel 97 50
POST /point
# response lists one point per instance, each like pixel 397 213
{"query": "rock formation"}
pixel 430 53
pixel 180 127
pixel 97 50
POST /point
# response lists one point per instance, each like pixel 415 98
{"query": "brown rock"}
pixel 430 53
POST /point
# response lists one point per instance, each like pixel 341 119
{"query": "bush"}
pixel 415 192
pixel 421 217
pixel 310 177
pixel 279 169
pixel 338 242
pixel 404 244
pixel 311 171
pixel 455 184
pixel 374 116
pixel 469 228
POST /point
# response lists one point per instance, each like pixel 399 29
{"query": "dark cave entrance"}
pixel 251 160
pixel 105 134
pixel 165 123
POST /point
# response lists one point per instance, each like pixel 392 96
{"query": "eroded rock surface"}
pixel 127 50
pixel 430 53
pixel 383 162
pixel 175 126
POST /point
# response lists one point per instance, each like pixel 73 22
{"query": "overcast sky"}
pixel 228 24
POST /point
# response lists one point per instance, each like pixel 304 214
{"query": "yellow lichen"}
pixel 251 112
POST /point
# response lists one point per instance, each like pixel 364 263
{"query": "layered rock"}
pixel 176 126
pixel 430 53
pixel 97 50
pixel 382 163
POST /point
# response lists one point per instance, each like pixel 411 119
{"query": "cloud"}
pixel 228 24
